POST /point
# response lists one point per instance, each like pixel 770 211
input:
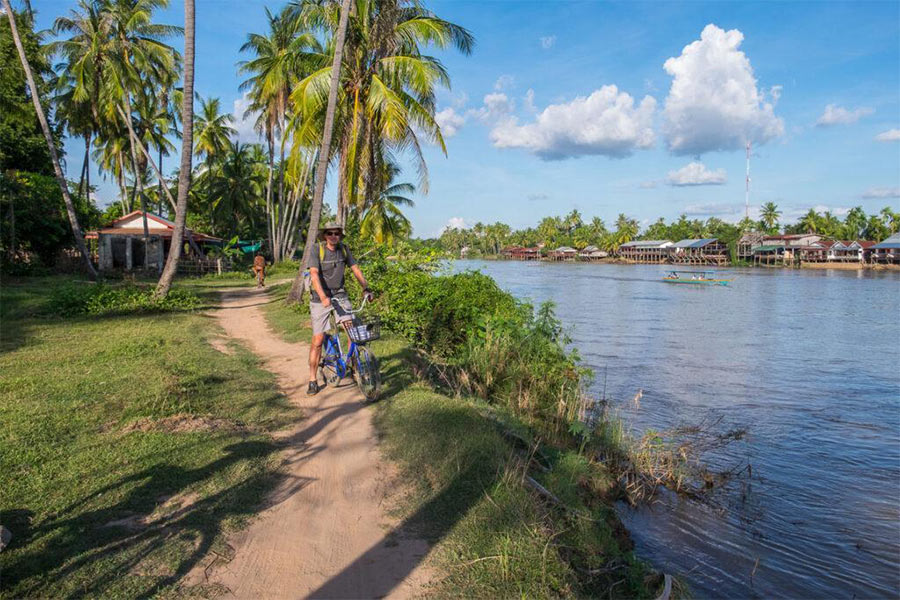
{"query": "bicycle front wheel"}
pixel 366 374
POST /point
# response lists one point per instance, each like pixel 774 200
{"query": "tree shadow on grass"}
pixel 149 539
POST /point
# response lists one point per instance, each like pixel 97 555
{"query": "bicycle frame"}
pixel 332 354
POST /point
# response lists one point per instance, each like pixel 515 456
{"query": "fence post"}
pixel 219 266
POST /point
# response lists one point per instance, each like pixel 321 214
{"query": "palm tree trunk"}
pixel 60 178
pixel 321 169
pixel 161 186
pixel 281 203
pixel 138 173
pixel 187 146
pixel 84 165
pixel 270 218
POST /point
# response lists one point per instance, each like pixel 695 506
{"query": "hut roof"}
pixel 132 224
pixel 647 244
pixel 694 243
pixel 891 243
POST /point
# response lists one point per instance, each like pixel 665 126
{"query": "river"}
pixel 808 361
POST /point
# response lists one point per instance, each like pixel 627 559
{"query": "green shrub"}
pixel 101 299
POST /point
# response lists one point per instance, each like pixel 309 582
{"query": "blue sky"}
pixel 538 128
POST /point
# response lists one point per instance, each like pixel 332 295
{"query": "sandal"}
pixel 313 388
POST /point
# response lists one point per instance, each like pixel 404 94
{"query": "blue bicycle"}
pixel 359 360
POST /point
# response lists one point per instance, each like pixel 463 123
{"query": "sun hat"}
pixel 330 225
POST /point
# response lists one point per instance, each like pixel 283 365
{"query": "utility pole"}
pixel 747 191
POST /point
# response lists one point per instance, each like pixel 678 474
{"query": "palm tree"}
pixel 45 128
pixel 388 87
pixel 319 190
pixel 212 131
pixel 810 221
pixel 854 223
pixel 769 215
pixel 235 190
pixel 384 221
pixel 891 219
pixel 187 144
pixel 281 59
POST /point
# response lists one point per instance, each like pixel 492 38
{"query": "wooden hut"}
pixel 591 253
pixel 646 251
pixel 562 253
pixel 121 244
pixel 708 251
pixel 850 251
pixel 887 252
pixel 747 243
pixel 520 253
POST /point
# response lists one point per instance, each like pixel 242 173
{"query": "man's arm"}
pixel 357 272
pixel 317 285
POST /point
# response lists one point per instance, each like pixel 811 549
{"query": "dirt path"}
pixel 325 533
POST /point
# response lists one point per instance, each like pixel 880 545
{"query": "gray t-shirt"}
pixel 331 270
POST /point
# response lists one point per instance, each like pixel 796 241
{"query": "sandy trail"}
pixel 325 533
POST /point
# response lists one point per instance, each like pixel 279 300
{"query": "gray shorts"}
pixel 319 313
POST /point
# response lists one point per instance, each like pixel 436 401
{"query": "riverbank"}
pixel 155 439
pixel 843 266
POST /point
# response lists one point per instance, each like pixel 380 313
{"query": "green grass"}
pixel 102 499
pixel 494 536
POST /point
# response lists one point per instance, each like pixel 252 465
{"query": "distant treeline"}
pixel 575 231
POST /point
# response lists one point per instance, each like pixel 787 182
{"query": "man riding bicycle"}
pixel 327 266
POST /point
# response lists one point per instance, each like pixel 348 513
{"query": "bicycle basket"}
pixel 365 330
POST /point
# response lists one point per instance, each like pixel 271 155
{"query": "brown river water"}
pixel 807 361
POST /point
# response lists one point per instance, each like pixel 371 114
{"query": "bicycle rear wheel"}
pixel 366 373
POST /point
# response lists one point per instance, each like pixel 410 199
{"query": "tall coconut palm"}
pixel 281 58
pixel 212 131
pixel 388 86
pixel 324 149
pixel 235 190
pixel 769 215
pixel 187 146
pixel 810 221
pixel 854 223
pixel 384 221
pixel 51 146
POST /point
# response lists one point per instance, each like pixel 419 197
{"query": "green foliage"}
pixel 33 217
pixel 101 299
pixel 22 145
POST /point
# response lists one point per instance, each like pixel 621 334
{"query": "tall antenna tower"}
pixel 747 192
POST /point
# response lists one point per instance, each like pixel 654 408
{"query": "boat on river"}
pixel 696 278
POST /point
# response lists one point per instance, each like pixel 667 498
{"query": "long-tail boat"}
pixel 696 278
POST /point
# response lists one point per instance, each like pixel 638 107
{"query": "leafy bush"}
pixel 489 343
pixel 101 299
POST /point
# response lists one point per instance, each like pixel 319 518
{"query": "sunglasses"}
pixel 334 233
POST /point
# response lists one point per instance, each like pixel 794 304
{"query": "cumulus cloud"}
pixel 449 121
pixel 454 223
pixel 891 135
pixel 882 192
pixel 244 121
pixel 529 102
pixel 696 173
pixel 838 115
pixel 504 82
pixel 605 123
pixel 547 41
pixel 714 102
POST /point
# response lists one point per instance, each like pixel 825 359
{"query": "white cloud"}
pixel 696 173
pixel 714 103
pixel 454 223
pixel 244 125
pixel 838 115
pixel 504 82
pixel 547 41
pixel 891 135
pixel 605 123
pixel 529 102
pixel 714 210
pixel 449 121
pixel 882 192
pixel 775 92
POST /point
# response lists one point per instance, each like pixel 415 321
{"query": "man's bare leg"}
pixel 315 355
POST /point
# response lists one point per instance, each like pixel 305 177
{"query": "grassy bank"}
pixel 469 465
pixel 130 445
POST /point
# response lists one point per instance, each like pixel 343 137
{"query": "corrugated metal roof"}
pixel 891 243
pixel 694 243
pixel 646 244
pixel 768 248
